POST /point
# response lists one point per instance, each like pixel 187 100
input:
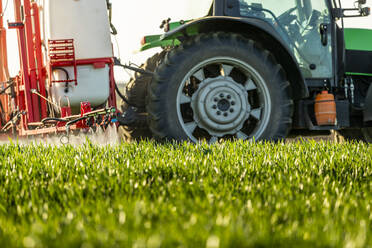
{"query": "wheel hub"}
pixel 221 106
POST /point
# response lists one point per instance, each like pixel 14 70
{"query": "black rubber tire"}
pixel 162 95
pixel 135 93
pixel 363 135
pixel 136 90
pixel 367 133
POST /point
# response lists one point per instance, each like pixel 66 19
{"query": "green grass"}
pixel 152 195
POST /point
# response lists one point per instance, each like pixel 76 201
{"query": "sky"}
pixel 135 19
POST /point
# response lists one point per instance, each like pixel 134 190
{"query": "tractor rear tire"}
pixel 367 133
pixel 136 89
pixel 219 86
pixel 135 93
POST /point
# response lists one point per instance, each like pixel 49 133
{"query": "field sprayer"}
pixel 66 79
pixel 258 69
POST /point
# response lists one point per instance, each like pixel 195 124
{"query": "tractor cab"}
pixel 303 25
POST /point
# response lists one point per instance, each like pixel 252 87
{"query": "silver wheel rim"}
pixel 223 97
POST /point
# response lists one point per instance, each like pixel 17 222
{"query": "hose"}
pixel 6 88
pixel 12 122
pixel 67 76
pixel 89 115
pixel 138 70
pixel 6 127
pixel 75 121
pixel 68 124
pixel 64 70
pixel 123 97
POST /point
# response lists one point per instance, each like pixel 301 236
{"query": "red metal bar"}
pixel 39 58
pixel 112 97
pixel 21 99
pixel 49 130
pixel 63 81
pixel 93 61
pixel 25 83
pixel 30 46
pixel 61 41
pixel 4 74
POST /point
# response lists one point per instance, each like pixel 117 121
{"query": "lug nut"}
pixel 222 95
pixel 216 99
pixel 233 103
pixel 218 112
pixel 214 107
pixel 229 97
pixel 231 110
pixel 225 114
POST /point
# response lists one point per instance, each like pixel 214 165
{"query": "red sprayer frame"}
pixel 30 84
pixel 4 74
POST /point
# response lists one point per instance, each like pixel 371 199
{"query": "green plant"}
pixel 150 195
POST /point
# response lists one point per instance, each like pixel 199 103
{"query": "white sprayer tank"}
pixel 87 22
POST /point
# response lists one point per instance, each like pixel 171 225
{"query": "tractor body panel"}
pixel 152 41
pixel 358 44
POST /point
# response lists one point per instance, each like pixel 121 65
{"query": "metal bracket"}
pixel 15 25
pixel 341 13
pixel 135 69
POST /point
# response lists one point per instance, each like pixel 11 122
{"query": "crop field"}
pixel 167 195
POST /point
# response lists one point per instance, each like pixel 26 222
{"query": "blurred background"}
pixel 134 19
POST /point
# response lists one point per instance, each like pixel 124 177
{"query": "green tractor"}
pixel 258 70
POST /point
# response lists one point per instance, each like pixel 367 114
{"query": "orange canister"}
pixel 325 109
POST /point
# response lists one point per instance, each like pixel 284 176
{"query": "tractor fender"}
pixel 368 106
pixel 254 28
